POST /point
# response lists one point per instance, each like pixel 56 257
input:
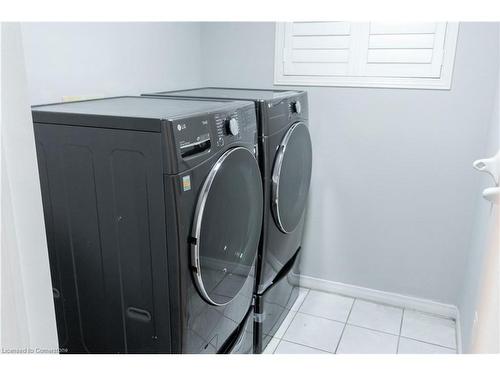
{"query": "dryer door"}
pixel 227 226
pixel 291 177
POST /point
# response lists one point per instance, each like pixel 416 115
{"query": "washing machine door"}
pixel 291 177
pixel 227 225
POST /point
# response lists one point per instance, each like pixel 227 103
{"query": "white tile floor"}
pixel 322 323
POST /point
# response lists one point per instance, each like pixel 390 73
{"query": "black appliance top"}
pixel 123 111
pixel 230 93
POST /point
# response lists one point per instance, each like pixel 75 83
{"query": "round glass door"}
pixel 291 177
pixel 227 226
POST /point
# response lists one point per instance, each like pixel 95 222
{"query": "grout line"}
pixel 307 346
pixel 345 325
pixel 351 324
pixel 372 329
pixel 340 339
pixel 430 343
pixel 400 330
pixel 279 342
pixel 402 319
pixel 277 345
pixel 323 317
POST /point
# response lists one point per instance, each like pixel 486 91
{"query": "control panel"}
pixel 214 131
pixel 235 126
pixel 193 137
pixel 293 107
pixel 280 113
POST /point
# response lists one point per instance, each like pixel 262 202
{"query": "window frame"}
pixel 442 83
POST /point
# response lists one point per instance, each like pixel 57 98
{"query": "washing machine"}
pixel 153 212
pixel 285 158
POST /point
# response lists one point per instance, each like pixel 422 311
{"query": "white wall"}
pixel 28 319
pixel 479 305
pixel 393 194
pixel 106 59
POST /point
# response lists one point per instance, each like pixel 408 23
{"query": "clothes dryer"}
pixel 153 211
pixel 285 158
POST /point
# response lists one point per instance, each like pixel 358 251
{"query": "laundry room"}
pixel 239 187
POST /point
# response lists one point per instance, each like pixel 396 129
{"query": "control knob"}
pixel 232 126
pixel 296 107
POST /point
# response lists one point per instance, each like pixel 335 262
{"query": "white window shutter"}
pixel 317 48
pixel 404 50
pixel 415 55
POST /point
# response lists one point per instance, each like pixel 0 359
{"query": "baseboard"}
pixel 379 296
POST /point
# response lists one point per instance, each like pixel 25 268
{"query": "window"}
pixel 405 55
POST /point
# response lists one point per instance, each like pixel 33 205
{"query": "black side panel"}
pixel 62 328
pixel 105 219
pixel 85 248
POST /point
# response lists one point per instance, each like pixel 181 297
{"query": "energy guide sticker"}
pixel 186 183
